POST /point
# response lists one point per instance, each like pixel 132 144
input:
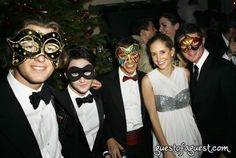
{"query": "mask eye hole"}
pixel 122 55
pixel 29 45
pixel 74 74
pixel 51 48
pixel 134 54
pixel 87 73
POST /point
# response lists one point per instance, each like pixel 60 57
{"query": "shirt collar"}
pixel 202 59
pixel 18 86
pixel 122 74
pixel 75 95
pixel 22 92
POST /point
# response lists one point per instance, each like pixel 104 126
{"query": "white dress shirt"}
pixel 42 120
pixel 233 58
pixel 88 116
pixel 132 102
pixel 201 61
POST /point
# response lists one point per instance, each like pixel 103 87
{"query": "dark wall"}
pixel 120 17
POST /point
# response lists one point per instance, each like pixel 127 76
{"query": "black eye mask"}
pixel 75 73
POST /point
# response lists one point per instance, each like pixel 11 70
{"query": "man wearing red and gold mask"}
pixel 127 126
pixel 212 89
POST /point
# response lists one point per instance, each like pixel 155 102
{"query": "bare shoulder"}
pixel 145 79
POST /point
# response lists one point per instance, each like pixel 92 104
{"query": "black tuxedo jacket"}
pixel 115 121
pixel 216 45
pixel 71 133
pixel 17 139
pixel 214 101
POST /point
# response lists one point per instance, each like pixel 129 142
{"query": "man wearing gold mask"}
pixel 28 120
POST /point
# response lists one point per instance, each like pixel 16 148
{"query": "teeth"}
pixel 161 62
pixel 38 68
pixel 130 65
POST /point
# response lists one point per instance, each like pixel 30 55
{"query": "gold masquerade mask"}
pixel 128 54
pixel 190 43
pixel 30 44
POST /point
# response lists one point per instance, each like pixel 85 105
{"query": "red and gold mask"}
pixel 190 43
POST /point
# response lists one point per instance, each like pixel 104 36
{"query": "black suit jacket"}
pixel 71 133
pixel 214 101
pixel 17 139
pixel 216 45
pixel 115 121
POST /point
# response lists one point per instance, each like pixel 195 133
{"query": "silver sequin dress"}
pixel 172 100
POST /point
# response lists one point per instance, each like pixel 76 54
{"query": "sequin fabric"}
pixel 166 103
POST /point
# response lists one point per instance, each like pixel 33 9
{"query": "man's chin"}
pixel 83 91
pixel 38 81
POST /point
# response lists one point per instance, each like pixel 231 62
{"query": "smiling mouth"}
pixel 160 62
pixel 39 68
pixel 191 53
pixel 83 85
pixel 129 65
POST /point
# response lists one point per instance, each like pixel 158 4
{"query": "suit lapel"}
pixel 101 119
pixel 117 95
pixel 15 126
pixel 100 111
pixel 66 102
pixel 205 69
pixel 204 73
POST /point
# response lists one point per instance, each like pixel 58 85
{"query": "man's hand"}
pixel 114 148
pixel 96 84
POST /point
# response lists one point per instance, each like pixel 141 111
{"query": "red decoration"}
pixel 89 32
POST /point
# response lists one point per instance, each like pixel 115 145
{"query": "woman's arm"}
pixel 149 101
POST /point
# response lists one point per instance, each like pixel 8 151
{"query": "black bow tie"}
pixel 88 99
pixel 35 98
pixel 135 78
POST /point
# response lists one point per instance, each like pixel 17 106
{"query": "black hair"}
pixel 81 52
pixel 188 28
pixel 228 22
pixel 172 16
pixel 140 24
pixel 126 41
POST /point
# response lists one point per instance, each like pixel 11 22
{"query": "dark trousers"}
pixel 138 151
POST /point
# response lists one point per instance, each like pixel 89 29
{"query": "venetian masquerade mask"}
pixel 190 43
pixel 30 44
pixel 75 73
pixel 128 54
